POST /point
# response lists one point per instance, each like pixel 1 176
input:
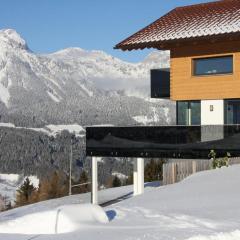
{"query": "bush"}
pixel 219 162
pixel 54 186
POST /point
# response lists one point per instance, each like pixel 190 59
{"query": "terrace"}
pixel 203 40
pixel 194 142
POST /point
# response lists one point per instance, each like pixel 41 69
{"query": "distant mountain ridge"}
pixel 76 86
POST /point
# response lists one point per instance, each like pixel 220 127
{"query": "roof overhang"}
pixel 211 21
pixel 171 44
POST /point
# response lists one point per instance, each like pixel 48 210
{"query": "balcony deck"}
pixel 163 141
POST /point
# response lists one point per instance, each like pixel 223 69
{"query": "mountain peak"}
pixel 12 38
pixel 76 53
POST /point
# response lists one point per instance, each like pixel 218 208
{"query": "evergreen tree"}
pixel 116 182
pixel 109 182
pixel 129 180
pixel 153 170
pixel 24 193
pixel 84 179
pixel 82 188
pixel 2 203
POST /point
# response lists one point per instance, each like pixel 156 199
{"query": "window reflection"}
pixel 214 65
pixel 188 113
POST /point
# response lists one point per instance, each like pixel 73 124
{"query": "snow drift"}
pixel 204 206
pixel 67 218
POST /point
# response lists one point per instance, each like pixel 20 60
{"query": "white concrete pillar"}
pixel 138 176
pixel 135 177
pixel 94 181
pixel 140 172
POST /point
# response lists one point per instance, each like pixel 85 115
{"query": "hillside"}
pixel 75 86
pixel 205 206
pixel 44 98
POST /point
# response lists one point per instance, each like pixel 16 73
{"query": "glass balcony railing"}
pixel 163 141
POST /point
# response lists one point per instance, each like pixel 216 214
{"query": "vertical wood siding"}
pixel 177 170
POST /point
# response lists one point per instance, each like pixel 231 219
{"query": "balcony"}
pixel 160 83
pixel 193 142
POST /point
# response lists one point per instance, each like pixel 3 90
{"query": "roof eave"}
pixel 173 43
pixel 140 46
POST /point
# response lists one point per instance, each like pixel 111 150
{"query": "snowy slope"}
pixel 204 206
pixel 52 130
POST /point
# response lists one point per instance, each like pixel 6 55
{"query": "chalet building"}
pixel 204 44
pixel 203 79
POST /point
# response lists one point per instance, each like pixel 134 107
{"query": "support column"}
pixel 94 194
pixel 138 176
pixel 135 177
pixel 140 170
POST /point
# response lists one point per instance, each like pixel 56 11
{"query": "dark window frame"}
pixel 226 101
pixel 194 74
pixel 189 107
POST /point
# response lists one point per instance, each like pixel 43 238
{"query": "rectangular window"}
pixel 232 111
pixel 188 113
pixel 182 113
pixel 213 65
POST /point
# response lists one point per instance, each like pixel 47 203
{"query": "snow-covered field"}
pixel 53 130
pixel 204 206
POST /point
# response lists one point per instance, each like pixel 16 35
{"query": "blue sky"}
pixel 51 25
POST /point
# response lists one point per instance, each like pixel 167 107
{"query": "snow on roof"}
pixel 201 20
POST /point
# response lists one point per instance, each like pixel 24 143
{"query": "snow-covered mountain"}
pixel 75 86
pixel 43 94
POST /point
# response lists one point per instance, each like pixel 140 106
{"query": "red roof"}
pixel 195 21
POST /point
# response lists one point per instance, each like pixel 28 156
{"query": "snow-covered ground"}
pixel 205 206
pixel 52 130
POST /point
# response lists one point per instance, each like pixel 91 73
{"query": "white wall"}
pixel 214 117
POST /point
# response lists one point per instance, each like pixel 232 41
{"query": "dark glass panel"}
pixel 165 141
pixel 182 113
pixel 195 107
pixel 214 65
pixel 188 113
pixel 160 83
pixel 232 111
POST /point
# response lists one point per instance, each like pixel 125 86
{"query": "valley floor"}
pixel 205 206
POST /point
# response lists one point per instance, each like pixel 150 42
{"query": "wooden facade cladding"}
pixel 185 86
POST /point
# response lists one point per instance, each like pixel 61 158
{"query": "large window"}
pixel 188 113
pixel 213 65
pixel 232 111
